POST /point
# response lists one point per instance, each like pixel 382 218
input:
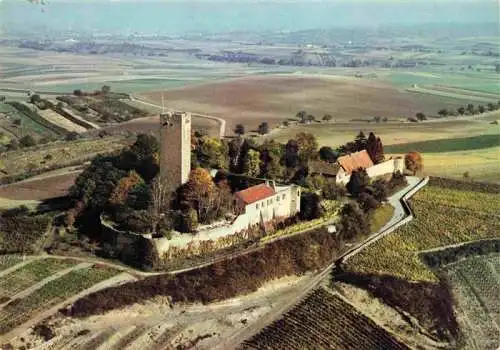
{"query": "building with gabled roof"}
pixel 355 161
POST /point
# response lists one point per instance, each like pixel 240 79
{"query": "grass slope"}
pixel 447 145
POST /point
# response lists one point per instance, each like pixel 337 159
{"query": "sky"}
pixel 178 17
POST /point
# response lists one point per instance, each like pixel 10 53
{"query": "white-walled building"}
pixel 265 202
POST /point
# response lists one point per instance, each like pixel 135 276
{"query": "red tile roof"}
pixel 355 161
pixel 255 193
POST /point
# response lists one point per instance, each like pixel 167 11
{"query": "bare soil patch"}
pixel 39 189
pixel 251 100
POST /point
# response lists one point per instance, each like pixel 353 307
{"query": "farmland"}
pixel 29 274
pixel 55 155
pixel 7 261
pixel 252 100
pixel 458 216
pixel 18 311
pixel 324 320
pixel 8 114
pixel 475 284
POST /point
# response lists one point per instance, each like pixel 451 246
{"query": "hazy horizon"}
pixel 214 16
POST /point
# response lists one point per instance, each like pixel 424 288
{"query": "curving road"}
pixel 399 217
pixel 222 122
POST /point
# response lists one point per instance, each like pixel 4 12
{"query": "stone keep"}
pixel 175 152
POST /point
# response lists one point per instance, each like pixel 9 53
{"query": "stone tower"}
pixel 175 152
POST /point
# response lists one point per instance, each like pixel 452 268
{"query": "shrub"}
pixel 353 222
pixel 310 204
pixel 332 191
pixel 27 141
pixel 367 202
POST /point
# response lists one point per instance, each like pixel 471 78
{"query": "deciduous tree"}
pixel 239 129
pixel 414 162
pixel 358 181
pixel 308 145
pixel 327 154
pixel 252 163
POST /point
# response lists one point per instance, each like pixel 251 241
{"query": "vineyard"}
pixel 324 321
pixel 475 284
pixel 42 284
pixel 28 275
pixel 7 261
pixel 454 217
pixel 55 155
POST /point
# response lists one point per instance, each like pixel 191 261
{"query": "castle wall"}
pixel 285 203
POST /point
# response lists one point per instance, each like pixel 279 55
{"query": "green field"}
pixel 476 81
pixel 443 217
pixel 28 125
pixel 54 292
pixel 475 283
pixel 448 145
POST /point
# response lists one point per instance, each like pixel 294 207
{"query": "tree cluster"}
pixel 373 145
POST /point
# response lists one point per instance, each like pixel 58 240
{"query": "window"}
pixel 284 196
pixel 278 199
pixel 257 205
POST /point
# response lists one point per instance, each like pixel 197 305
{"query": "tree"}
pixel 461 110
pixel 310 204
pixel 379 190
pixel 327 118
pixel 17 122
pixel 443 112
pixel 360 141
pixel 353 221
pixel 27 141
pixel 414 162
pixel 200 192
pixel 286 123
pixel 327 154
pixel 212 152
pixel 377 119
pixel 301 116
pixel 308 145
pixel 367 202
pixel 123 187
pixel 35 98
pixel 481 109
pixel 2 98
pixel 291 156
pixel 13 145
pixel 310 118
pixel 239 129
pixel 252 163
pixel 263 128
pixel 105 89
pixel 78 92
pixel 358 182
pixel 470 108
pixel 375 148
pixel 421 116
pixel 491 107
pixel 332 191
pixel 71 136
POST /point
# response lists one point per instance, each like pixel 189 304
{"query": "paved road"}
pixel 399 214
pixel 222 122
